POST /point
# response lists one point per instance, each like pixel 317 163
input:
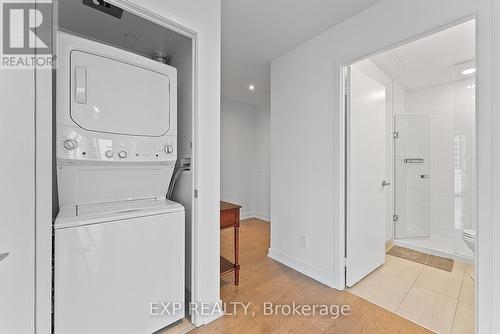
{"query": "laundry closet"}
pixel 123 171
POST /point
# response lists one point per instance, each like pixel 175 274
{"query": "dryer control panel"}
pixel 77 145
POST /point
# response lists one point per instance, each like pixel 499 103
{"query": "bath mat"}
pixel 423 258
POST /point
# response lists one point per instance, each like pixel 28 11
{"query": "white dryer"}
pixel 119 244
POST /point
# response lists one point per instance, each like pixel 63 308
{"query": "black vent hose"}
pixel 177 173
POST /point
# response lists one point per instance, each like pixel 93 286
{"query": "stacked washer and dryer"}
pixel 119 244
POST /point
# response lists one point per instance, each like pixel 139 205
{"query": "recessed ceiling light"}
pixel 251 87
pixel 469 71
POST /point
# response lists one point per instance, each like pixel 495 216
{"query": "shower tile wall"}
pixel 450 108
pixel 437 103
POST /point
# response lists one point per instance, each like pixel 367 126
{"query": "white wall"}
pixel 237 154
pixel 25 201
pixel 17 201
pixel 182 60
pixel 307 137
pixel 489 178
pixel 262 163
pixel 245 157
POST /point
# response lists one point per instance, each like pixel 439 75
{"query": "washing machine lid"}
pixel 80 184
pixel 83 215
pixel 112 96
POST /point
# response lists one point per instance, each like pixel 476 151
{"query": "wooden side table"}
pixel 230 217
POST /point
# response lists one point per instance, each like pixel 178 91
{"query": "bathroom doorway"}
pixel 411 179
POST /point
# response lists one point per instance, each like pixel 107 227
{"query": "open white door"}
pixel 365 170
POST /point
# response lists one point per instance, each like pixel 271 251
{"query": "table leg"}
pixel 236 255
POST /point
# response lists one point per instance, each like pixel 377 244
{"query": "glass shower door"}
pixel 411 176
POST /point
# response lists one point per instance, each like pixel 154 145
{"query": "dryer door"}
pixel 108 95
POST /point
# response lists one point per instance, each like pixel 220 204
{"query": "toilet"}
pixel 469 237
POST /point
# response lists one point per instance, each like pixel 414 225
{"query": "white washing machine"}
pixel 119 244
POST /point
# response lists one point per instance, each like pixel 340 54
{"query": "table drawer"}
pixel 228 218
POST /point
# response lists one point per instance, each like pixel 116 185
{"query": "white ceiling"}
pixel 430 61
pixel 254 32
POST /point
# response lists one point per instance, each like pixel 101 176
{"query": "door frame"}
pixel 340 153
pixel 43 153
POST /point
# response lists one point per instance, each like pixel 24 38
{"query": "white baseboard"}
pixel 302 267
pixel 262 216
pixel 247 215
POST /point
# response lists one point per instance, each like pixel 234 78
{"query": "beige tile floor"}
pixel 436 299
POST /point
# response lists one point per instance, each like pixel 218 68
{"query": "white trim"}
pixel 43 203
pixel 129 6
pixel 246 215
pixel 302 267
pixel 195 244
pixel 486 102
pixel 261 216
pixel 339 178
pixel 202 320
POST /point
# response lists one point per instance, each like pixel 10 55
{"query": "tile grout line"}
pixel 414 283
pixel 437 292
pixel 368 279
pixel 407 293
pixel 458 301
pixel 440 292
pixel 411 287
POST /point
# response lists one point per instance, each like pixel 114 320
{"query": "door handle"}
pixel 385 183
pixel 3 256
pixel 80 84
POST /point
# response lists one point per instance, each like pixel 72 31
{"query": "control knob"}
pixel 169 149
pixel 70 144
pixel 109 154
pixel 122 154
